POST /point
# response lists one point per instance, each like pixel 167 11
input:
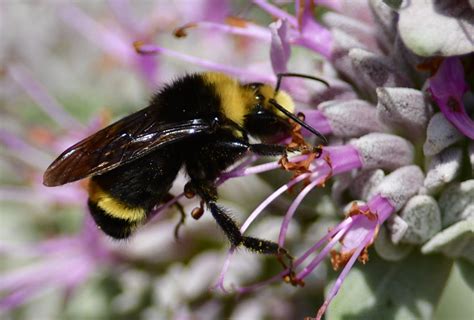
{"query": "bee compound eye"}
pixel 259 97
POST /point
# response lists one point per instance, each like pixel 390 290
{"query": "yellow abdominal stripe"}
pixel 114 207
pixel 118 210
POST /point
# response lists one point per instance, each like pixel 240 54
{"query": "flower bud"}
pixel 363 184
pixel 430 29
pixel 404 109
pixel 423 219
pixel 386 23
pixel 343 42
pixel 455 241
pixel 443 168
pixel 350 118
pixel 377 71
pixel 361 31
pixel 400 185
pixel 456 202
pixel 439 135
pixel 384 151
pixel 398 227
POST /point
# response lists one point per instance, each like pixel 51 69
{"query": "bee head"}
pixel 269 113
pixel 262 119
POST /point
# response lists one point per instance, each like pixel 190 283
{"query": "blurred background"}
pixel 66 69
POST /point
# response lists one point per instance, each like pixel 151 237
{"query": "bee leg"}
pixel 279 150
pixel 290 276
pixel 206 190
pixel 180 208
pixel 237 239
pixel 269 149
pixel 182 220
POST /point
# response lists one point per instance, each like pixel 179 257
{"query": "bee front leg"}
pixel 278 149
pixel 269 149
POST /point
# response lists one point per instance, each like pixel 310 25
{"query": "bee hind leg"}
pixel 254 244
pixel 180 208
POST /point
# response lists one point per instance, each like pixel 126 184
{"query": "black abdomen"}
pixel 121 199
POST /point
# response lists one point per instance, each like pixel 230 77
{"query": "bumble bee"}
pixel 201 122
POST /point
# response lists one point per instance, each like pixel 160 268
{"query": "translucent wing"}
pixel 123 141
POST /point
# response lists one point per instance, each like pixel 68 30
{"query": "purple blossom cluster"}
pixel 398 113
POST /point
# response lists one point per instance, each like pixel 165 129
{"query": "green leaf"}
pixel 408 289
pixel 467 272
pixel 456 302
pixel 456 241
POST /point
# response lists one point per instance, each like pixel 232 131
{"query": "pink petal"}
pixel 280 46
pixel 447 87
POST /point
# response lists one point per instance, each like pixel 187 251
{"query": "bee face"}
pixel 263 119
pixel 262 93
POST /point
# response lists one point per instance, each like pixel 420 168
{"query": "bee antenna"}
pixel 296 75
pixel 298 120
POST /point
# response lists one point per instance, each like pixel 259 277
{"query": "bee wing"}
pixel 123 141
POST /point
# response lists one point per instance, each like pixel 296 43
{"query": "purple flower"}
pixel 448 87
pixel 360 228
pixel 280 47
pixel 247 75
pixel 305 31
pixel 356 234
